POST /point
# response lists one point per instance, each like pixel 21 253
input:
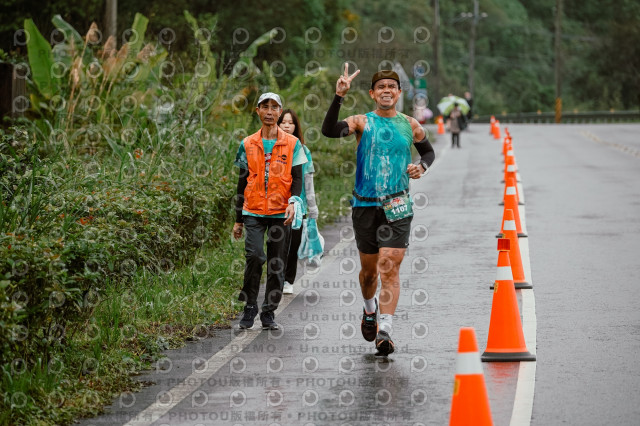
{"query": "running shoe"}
pixel 288 288
pixel 384 344
pixel 369 324
pixel 268 322
pixel 250 312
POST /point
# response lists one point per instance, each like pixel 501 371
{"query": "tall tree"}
pixel 111 18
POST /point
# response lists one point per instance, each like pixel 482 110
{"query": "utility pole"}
pixel 472 45
pixel 558 61
pixel 436 52
pixel 111 18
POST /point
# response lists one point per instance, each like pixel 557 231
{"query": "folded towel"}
pixel 297 216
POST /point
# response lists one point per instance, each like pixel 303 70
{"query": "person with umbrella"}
pixel 455 109
pixel 454 125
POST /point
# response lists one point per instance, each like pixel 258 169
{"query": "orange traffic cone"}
pixel 509 231
pixel 511 203
pixel 493 125
pixel 496 133
pixel 510 167
pixel 506 338
pixel 470 402
pixel 507 144
pixel 440 125
pixel 511 174
pixel 510 159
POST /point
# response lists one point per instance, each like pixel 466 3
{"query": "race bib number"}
pixel 397 208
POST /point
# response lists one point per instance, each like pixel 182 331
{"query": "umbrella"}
pixel 446 104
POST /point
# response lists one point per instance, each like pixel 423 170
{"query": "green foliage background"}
pixel 514 48
pixel 117 187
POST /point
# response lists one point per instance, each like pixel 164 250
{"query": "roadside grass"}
pixel 130 327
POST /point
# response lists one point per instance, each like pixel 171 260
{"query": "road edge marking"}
pixel 525 388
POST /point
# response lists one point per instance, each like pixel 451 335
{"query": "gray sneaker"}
pixel 250 312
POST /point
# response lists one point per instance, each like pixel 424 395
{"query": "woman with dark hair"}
pixel 290 123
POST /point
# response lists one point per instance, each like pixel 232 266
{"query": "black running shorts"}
pixel 372 230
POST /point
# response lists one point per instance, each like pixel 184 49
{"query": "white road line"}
pixel 529 324
pixel 167 400
pixel 523 225
pixel 523 401
pixel 524 252
pixel 523 404
pixel 520 192
pixel 620 147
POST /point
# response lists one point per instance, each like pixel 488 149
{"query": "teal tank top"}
pixel 382 157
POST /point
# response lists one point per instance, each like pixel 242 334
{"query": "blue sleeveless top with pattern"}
pixel 383 154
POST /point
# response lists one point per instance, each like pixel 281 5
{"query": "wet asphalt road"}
pixel 583 199
pixel 583 213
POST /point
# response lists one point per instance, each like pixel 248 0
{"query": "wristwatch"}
pixel 425 166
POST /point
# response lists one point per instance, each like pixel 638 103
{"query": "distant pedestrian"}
pixel 469 99
pixel 290 123
pixel 454 123
pixel 382 208
pixel 270 163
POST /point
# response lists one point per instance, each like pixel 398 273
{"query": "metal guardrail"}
pixel 567 117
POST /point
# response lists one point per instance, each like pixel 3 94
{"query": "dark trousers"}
pixel 292 258
pixel 278 238
pixel 455 139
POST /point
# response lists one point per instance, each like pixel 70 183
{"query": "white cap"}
pixel 270 95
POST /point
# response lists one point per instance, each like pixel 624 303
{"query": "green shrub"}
pixel 121 197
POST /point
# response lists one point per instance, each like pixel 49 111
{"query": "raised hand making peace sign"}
pixel 344 81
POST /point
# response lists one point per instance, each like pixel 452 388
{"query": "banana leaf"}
pixel 150 69
pixel 246 57
pixel 139 28
pixel 204 46
pixel 73 45
pixel 40 61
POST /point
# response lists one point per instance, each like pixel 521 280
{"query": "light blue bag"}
pixel 312 243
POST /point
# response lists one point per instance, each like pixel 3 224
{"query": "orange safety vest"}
pixel 275 198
